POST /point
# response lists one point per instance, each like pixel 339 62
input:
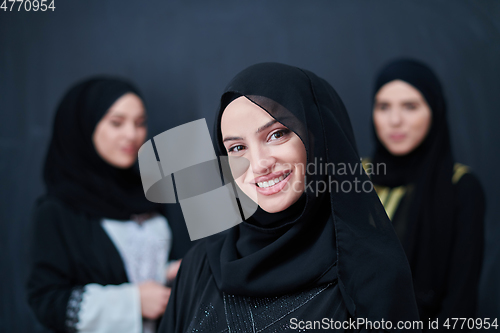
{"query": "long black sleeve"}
pixel 49 285
pixel 69 251
pixel 191 280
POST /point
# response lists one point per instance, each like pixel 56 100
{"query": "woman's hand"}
pixel 172 270
pixel 154 299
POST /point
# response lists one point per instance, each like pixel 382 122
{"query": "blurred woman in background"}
pixel 100 249
pixel 436 205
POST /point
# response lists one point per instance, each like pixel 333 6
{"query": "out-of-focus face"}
pixel 121 132
pixel 277 156
pixel 401 116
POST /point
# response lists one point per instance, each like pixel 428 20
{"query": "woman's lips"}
pixel 267 185
pixel 129 150
pixel 397 137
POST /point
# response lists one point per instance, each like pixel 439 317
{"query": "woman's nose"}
pixel 130 131
pixel 395 117
pixel 261 161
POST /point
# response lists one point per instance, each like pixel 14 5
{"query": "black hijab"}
pixel 338 236
pixel 74 172
pixel 429 168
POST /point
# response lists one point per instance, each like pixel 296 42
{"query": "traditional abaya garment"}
pixel 95 235
pixel 331 256
pixel 437 206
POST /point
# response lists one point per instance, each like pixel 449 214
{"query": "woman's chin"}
pixel 275 205
pixel 400 149
pixel 271 210
pixel 123 162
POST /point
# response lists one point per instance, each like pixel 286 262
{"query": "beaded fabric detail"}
pixel 205 320
pixel 73 308
pixel 253 314
pixel 264 314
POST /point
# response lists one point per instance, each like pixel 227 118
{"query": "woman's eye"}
pixel 382 107
pixel 411 106
pixel 116 123
pixel 236 149
pixel 279 134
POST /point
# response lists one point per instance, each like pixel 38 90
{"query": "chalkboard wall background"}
pixel 182 53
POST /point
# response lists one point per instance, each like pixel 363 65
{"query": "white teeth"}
pixel 272 181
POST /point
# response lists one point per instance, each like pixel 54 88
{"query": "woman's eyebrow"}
pixel 235 138
pixel 232 138
pixel 266 125
pixel 116 115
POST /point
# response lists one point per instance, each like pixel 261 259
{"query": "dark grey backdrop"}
pixel 182 53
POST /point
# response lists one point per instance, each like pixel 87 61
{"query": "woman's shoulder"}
pixel 460 170
pixel 47 204
pixel 194 273
pixel 468 188
pixel 365 162
pixel 196 257
pixel 464 179
pixel 50 209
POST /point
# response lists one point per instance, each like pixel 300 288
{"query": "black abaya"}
pixel 198 305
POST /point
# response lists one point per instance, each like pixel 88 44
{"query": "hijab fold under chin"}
pixel 326 237
pixel 74 172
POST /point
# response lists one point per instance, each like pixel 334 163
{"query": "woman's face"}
pixel 277 156
pixel 121 132
pixel 401 116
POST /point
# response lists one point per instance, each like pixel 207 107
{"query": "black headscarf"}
pixel 429 169
pixel 342 236
pixel 74 172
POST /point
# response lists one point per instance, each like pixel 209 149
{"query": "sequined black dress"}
pixel 197 305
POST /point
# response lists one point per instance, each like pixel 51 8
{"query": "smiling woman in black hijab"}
pixel 309 254
pixel 100 249
pixel 436 205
